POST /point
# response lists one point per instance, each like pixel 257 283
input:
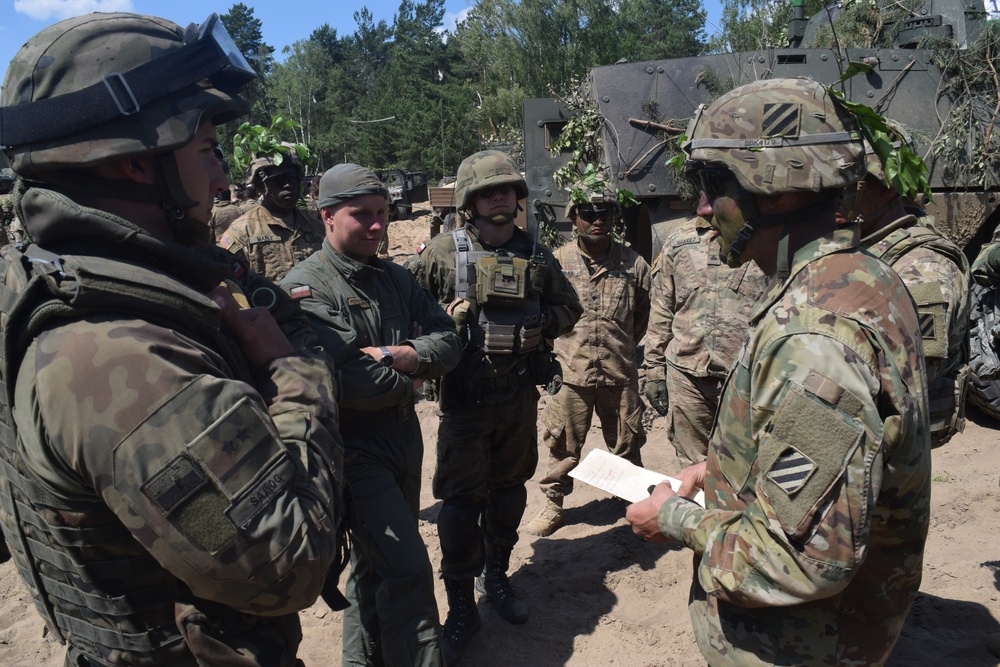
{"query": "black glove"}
pixel 656 394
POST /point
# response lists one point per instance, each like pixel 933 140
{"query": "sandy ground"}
pixel 600 596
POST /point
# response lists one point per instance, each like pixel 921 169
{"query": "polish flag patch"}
pixel 300 292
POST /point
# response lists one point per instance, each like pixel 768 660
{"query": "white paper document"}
pixel 623 479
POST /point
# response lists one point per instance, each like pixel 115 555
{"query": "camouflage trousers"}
pixel 393 618
pixel 566 422
pixel 485 456
pixel 693 404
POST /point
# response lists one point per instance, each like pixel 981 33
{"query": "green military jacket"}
pixel 817 491
pixel 614 292
pixel 272 245
pixel 699 306
pixel 355 305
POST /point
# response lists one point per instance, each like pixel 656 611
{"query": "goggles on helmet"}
pixel 591 213
pixel 283 177
pixel 208 53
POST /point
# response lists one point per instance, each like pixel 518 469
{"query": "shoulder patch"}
pixel 420 248
pixel 791 471
pixel 226 241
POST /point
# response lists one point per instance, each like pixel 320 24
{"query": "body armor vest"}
pixel 111 611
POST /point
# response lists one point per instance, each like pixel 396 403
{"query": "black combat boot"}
pixel 462 621
pixel 494 584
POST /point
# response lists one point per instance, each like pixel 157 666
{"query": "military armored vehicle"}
pixel 643 106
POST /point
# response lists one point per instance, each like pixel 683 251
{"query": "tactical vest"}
pixel 946 393
pixel 508 305
pixel 71 593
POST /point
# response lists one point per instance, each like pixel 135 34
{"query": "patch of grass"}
pixel 942 476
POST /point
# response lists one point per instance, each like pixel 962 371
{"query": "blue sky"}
pixel 283 22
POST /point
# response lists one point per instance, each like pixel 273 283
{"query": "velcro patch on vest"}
pixel 791 471
pixel 174 483
pixel 359 302
pixel 300 292
pixel 781 119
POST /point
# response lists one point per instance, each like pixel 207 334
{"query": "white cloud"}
pixel 451 20
pixel 63 9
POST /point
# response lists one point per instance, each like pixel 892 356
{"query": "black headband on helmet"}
pixel 208 53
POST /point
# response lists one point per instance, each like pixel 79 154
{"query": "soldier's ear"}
pixel 138 169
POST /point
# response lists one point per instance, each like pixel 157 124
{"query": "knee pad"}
pixel 458 525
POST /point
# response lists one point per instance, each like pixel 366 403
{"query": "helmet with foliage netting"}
pixel 587 191
pixel 900 137
pixel 286 156
pixel 778 135
pixel 486 169
pixel 99 87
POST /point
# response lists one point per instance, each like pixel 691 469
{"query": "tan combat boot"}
pixel 550 518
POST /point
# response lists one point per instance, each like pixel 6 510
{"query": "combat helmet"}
pixel 486 169
pixel 590 191
pixel 778 135
pixel 100 87
pixel 286 155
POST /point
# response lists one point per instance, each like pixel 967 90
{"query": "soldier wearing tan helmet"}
pixel 172 468
pixel 817 483
pixel 507 295
pixel 598 357
pixel 276 235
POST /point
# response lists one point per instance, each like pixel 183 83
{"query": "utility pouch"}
pixel 539 271
pixel 499 338
pixel 531 333
pixel 501 280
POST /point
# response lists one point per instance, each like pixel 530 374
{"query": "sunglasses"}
pixel 712 180
pixel 486 193
pixel 283 177
pixel 593 213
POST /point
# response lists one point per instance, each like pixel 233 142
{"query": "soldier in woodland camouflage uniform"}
pixel 507 294
pixel 386 336
pixel 817 484
pixel 697 322
pixel 172 471
pixel 224 213
pixel 936 273
pixel 276 235
pixel 598 356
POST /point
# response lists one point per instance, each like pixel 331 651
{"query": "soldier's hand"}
pixel 256 331
pixel 692 480
pixel 459 311
pixel 644 515
pixel 656 394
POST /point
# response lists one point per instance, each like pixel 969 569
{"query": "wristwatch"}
pixel 386 358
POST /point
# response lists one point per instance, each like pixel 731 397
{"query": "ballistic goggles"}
pixel 208 53
pixel 593 212
pixel 707 177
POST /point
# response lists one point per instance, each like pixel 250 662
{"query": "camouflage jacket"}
pixel 224 213
pixel 273 245
pixel 984 271
pixel 600 350
pixel 354 305
pixel 181 465
pixel 936 272
pixel 434 268
pixel 699 306
pixel 817 491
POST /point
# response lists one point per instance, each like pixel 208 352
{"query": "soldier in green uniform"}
pixel 276 235
pixel 172 472
pixel 936 273
pixel 598 357
pixel 699 316
pixel 809 549
pixel 224 213
pixel 507 295
pixel 386 336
